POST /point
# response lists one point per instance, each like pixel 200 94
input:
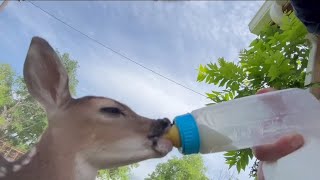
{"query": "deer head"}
pixel 83 135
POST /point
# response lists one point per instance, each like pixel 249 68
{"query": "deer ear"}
pixel 45 76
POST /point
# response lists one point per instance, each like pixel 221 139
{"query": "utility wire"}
pixel 114 51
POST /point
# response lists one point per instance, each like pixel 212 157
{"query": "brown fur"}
pixel 80 139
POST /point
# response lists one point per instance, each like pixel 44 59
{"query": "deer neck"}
pixel 50 161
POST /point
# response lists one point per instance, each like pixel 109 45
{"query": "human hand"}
pixel 279 149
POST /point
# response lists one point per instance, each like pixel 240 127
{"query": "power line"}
pixel 114 51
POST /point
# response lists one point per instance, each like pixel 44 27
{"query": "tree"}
pixel 6 81
pixel 188 167
pixel 276 58
pixel 121 173
pixel 24 117
pixel 71 67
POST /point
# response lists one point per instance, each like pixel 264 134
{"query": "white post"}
pixel 313 68
pixel 276 13
pixel 313 41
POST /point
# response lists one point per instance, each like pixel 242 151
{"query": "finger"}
pixel 281 148
pixel 265 90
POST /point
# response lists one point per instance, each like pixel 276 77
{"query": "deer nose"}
pixel 164 123
pixel 159 127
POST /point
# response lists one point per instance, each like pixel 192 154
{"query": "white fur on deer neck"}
pixel 19 164
pixel 3 172
pixel 27 159
pixel 16 167
pixel 83 169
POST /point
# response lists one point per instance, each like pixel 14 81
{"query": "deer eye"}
pixel 111 110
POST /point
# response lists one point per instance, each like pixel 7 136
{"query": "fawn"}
pixel 83 135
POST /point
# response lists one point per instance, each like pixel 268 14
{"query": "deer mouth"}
pixel 160 145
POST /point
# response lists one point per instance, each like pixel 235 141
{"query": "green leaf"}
pixel 250 155
pixel 223 82
pixel 2 122
pixel 245 161
pixel 239 166
pixel 231 164
pixel 230 153
pixel 201 77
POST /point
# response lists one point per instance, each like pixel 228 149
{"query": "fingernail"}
pixel 296 142
pixel 265 90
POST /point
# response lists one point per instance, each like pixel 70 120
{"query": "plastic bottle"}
pixel 246 122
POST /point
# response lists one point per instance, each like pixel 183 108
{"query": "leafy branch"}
pixel 277 58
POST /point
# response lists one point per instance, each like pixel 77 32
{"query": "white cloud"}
pixel 31 22
pixel 147 93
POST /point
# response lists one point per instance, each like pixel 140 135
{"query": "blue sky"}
pixel 173 38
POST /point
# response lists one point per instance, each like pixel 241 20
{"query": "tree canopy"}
pixel 186 168
pixel 277 58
